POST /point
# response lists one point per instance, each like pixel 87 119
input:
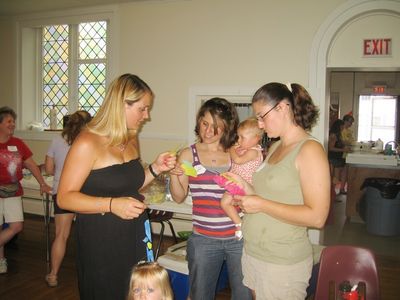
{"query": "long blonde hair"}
pixel 110 120
pixel 150 272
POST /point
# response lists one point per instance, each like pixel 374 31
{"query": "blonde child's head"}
pixel 249 134
pixel 149 281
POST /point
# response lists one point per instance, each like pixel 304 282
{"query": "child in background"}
pixel 149 281
pixel 246 157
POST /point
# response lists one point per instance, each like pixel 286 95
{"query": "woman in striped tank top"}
pixel 213 239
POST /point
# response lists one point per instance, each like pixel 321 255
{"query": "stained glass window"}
pixel 73 78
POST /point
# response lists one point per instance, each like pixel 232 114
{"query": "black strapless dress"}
pixel 108 246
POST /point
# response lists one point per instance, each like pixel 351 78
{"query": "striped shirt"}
pixel 209 219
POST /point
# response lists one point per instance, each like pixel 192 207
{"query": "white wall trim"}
pixel 209 92
pixel 36 135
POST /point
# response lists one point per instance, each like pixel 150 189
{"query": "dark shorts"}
pixel 57 209
pixel 337 162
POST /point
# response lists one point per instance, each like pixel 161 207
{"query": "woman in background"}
pixel 101 180
pixel 54 163
pixel 14 156
pixel 336 155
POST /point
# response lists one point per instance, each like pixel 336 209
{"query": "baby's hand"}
pixel 240 150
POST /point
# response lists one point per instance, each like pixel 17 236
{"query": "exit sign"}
pixel 377 47
pixel 379 89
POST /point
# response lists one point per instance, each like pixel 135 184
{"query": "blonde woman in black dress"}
pixel 101 179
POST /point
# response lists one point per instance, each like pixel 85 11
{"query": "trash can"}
pixel 380 206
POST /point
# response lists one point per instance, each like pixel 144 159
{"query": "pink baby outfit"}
pixel 246 170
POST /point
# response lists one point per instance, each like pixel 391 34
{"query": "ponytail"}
pixel 304 110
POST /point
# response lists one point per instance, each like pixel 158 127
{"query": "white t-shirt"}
pixel 58 151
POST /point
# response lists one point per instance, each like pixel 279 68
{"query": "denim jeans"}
pixel 205 258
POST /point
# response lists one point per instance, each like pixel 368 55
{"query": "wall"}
pixel 7 58
pixel 347 47
pixel 177 45
pixel 203 43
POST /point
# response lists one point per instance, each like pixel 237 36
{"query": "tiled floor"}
pixel 354 232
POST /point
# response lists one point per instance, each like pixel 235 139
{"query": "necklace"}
pixel 121 147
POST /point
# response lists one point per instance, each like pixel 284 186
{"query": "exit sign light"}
pixel 379 89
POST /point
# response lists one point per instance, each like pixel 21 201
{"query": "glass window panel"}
pixel 56 67
pixel 377 118
pixel 92 40
pixel 55 70
pixel 91 85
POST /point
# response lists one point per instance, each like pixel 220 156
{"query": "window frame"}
pixel 29 57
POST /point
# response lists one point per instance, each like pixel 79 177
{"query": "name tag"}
pixel 200 169
pixel 12 148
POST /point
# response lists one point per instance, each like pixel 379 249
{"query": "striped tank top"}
pixel 209 219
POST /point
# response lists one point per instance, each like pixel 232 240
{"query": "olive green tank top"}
pixel 265 237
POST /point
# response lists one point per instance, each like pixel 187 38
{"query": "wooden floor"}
pixel 27 268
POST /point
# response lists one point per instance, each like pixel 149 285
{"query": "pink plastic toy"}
pixel 229 184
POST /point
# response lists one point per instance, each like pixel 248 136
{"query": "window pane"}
pixel 377 118
pixel 55 71
pixel 92 86
pixel 92 40
pixel 78 82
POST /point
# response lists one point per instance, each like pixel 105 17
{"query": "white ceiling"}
pixel 15 7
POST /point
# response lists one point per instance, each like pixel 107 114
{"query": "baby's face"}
pixel 147 292
pixel 248 138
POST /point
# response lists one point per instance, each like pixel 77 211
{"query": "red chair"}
pixel 355 264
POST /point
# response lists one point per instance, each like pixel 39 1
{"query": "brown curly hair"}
pixel 74 124
pixel 225 111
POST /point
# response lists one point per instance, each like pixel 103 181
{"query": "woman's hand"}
pixel 164 162
pixel 178 171
pixel 248 204
pixel 45 188
pixel 248 189
pixel 127 208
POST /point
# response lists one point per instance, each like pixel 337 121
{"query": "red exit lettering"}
pixel 378 89
pixel 376 47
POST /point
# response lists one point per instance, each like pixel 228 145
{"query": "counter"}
pixel 32 200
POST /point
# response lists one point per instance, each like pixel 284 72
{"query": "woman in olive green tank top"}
pixel 290 192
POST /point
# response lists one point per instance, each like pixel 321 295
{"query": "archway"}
pixel 320 48
pixel 321 45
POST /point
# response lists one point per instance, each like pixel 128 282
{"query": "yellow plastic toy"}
pixel 188 169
